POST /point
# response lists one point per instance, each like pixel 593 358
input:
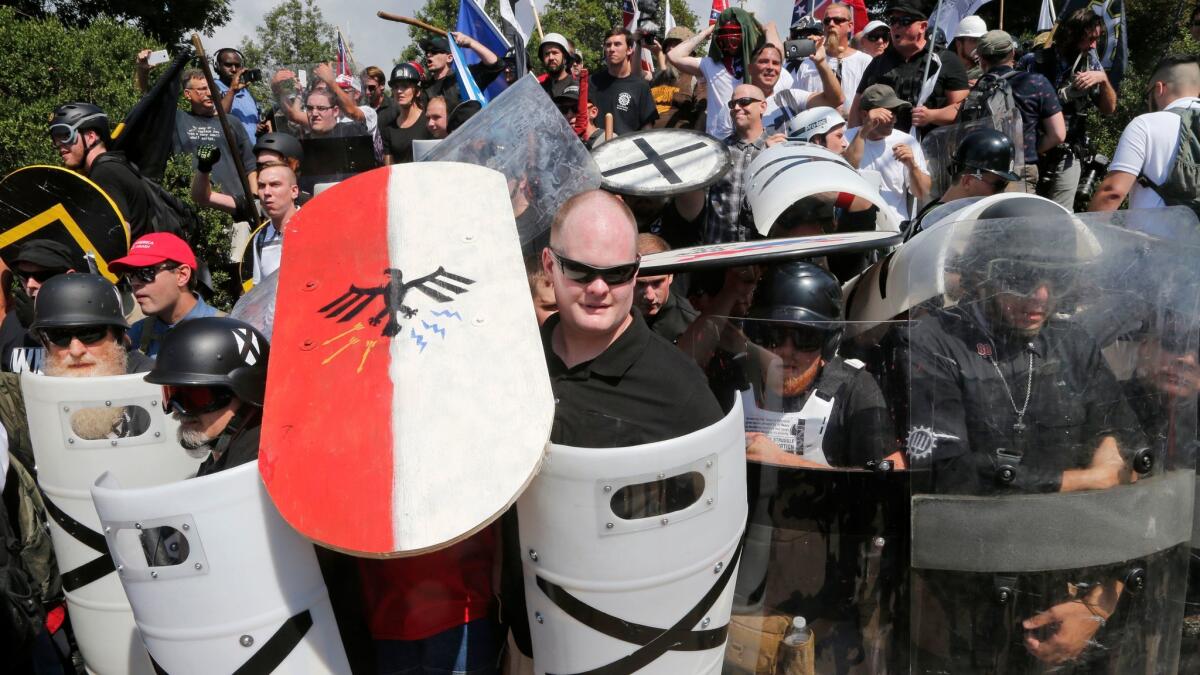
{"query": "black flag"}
pixel 145 134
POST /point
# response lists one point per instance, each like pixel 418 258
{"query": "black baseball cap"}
pixel 435 45
pixel 919 8
pixel 50 254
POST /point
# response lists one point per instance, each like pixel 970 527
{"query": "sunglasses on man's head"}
pixel 194 400
pixel 744 102
pixel 62 337
pixel 585 273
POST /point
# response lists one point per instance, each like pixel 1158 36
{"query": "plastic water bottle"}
pixel 797 655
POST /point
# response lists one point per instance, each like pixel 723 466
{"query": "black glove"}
pixel 23 305
pixel 206 156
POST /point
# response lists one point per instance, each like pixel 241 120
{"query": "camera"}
pixel 252 75
pixel 647 29
pixel 797 50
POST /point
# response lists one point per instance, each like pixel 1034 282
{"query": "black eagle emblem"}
pixel 351 303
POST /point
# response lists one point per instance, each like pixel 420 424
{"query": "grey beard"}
pixel 196 443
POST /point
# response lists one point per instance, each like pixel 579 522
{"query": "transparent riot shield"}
pixel 826 537
pixel 631 553
pixel 257 306
pixel 80 428
pixel 940 145
pixel 523 136
pixel 1051 418
pixel 218 582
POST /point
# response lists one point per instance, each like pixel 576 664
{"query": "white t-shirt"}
pixel 268 252
pixel 852 68
pixel 720 89
pixel 1148 146
pixel 783 105
pixel 877 156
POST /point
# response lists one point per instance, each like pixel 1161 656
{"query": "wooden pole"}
pixel 608 127
pixel 249 216
pixel 1001 14
pixel 537 21
pixel 411 22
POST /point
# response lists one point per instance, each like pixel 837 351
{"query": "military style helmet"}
pixel 215 351
pixel 800 292
pixel 557 40
pixel 813 122
pixel 69 300
pixel 71 118
pixel 284 144
pixel 986 150
pixel 404 72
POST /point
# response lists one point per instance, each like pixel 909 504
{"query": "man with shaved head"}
pixel 1148 147
pixel 616 382
pixel 729 217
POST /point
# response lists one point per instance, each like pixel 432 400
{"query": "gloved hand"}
pixel 23 305
pixel 206 156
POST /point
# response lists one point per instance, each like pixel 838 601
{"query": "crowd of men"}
pixel 664 354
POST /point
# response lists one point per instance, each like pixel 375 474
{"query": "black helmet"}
pixel 77 300
pixel 284 144
pixel 404 72
pixel 986 150
pixel 70 118
pixel 801 292
pixel 214 351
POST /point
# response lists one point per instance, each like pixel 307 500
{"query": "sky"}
pixel 379 42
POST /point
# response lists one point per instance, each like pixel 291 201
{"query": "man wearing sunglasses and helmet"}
pixel 80 134
pixel 214 376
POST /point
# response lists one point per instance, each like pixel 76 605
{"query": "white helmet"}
pixel 813 122
pixel 557 40
pixel 971 27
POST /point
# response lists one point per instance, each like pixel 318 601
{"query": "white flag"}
pixel 949 12
pixel 509 17
pixel 668 20
pixel 1046 17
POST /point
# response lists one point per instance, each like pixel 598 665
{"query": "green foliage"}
pixel 212 243
pixel 93 63
pixel 585 22
pixel 167 22
pixel 293 32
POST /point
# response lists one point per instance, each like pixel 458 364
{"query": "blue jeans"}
pixel 470 649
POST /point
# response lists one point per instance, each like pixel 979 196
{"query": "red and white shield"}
pixel 407 398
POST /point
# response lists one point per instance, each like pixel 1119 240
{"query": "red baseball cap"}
pixel 153 249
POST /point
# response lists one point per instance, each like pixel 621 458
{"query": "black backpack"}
pixel 1182 186
pixel 991 98
pixel 21 613
pixel 170 214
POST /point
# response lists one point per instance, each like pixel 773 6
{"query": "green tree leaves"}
pixel 294 32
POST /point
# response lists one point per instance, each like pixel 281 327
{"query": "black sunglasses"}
pixel 744 102
pixel 903 20
pixel 147 275
pixel 585 274
pixel 194 400
pixel 839 20
pixel 879 36
pixel 773 336
pixel 62 337
pixel 39 276
pixel 1025 278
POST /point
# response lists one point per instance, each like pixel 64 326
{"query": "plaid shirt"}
pixel 729 216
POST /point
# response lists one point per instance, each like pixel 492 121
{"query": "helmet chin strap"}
pixel 236 424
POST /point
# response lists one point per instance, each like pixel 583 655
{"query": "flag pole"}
pixel 346 44
pixel 537 21
pixel 1001 14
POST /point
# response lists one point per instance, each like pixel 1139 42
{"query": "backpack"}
pixel 991 98
pixel 1182 186
pixel 169 213
pixel 22 613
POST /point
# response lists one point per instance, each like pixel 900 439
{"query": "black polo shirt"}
pixel 642 389
pixel 907 76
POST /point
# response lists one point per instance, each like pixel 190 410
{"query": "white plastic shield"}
pixel 630 553
pixel 73 443
pixel 218 581
pixel 785 174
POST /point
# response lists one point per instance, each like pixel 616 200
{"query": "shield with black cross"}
pixel 81 427
pixel 629 554
pixel 661 162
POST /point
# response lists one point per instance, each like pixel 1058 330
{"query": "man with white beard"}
pixel 79 320
pixel 214 376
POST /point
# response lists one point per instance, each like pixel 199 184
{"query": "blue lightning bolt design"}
pixel 447 313
pixel 418 338
pixel 435 328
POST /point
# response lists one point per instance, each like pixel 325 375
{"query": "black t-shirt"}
pixel 127 191
pixel 673 318
pixel 556 87
pixel 242 449
pixel 642 389
pixel 907 77
pixel 628 99
pixel 397 141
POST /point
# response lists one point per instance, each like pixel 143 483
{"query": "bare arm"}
pixel 831 90
pixel 347 103
pixel 690 204
pixel 854 118
pixel 771 35
pixel 1113 190
pixel 141 71
pixel 1054 132
pixel 923 116
pixel 203 195
pixel 291 107
pixel 1106 470
pixel 234 87
pixel 486 56
pixel 681 57
pixel 1106 102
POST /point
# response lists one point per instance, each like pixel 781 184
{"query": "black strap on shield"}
pixel 92 570
pixel 654 641
pixel 273 652
pixel 658 160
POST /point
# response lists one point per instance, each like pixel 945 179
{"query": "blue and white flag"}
pixel 473 21
pixel 467 88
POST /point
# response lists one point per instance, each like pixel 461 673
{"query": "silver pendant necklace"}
pixel 1020 425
